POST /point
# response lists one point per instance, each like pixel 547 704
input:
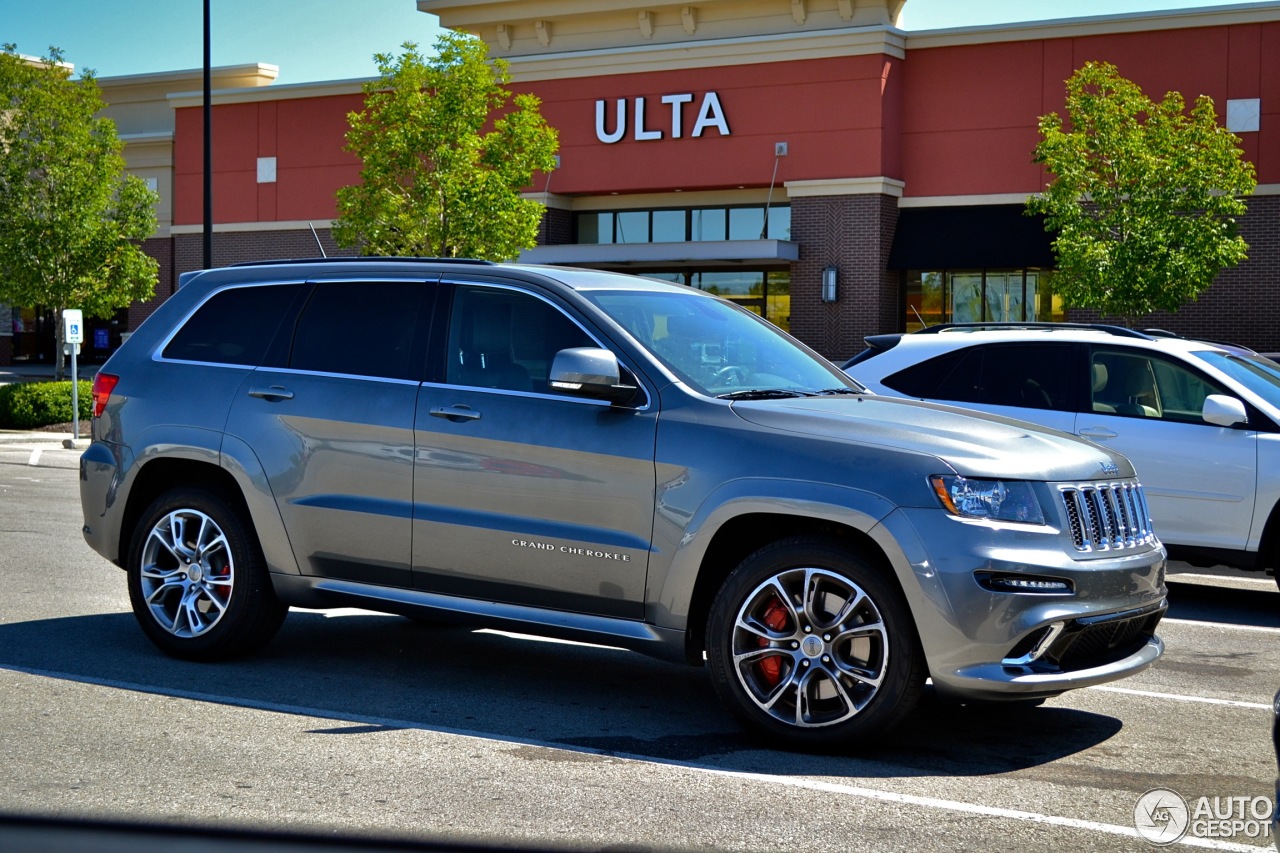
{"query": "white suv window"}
pixel 1138 384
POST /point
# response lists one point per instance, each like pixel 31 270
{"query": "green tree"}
pixel 71 225
pixel 1144 198
pixel 446 150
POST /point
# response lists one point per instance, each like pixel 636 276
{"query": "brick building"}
pixel 757 148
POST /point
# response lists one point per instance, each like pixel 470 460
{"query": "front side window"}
pixel 1142 385
pixel 506 339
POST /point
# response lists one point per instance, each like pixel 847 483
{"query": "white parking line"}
pixel 1150 694
pixel 34 459
pixel 852 791
pixel 1262 583
pixel 1198 624
pixel 970 808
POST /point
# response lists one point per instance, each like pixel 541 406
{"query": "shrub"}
pixel 28 405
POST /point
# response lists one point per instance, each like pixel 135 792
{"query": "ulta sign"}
pixel 710 115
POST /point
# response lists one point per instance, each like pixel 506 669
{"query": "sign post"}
pixel 73 325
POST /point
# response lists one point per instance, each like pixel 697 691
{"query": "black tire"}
pixel 198 582
pixel 811 646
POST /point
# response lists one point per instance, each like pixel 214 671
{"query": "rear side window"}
pixel 233 326
pixel 363 329
pixel 1028 376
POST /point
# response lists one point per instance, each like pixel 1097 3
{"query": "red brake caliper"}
pixel 775 617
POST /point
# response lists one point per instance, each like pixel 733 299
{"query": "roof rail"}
pixel 359 259
pixel 1118 331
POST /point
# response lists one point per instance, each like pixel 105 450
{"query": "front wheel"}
pixel 198 583
pixel 810 645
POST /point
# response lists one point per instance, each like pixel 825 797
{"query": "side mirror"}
pixel 589 372
pixel 1224 411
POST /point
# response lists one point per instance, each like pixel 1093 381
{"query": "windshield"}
pixel 719 349
pixel 1260 375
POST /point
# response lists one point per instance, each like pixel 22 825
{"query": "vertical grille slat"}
pixel 1107 516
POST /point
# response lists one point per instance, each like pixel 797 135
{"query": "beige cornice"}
pixel 232 227
pixel 291 92
pixel 747 50
pixel 156 86
pixel 631 201
pixel 963 200
pixel 1137 22
pixel 844 186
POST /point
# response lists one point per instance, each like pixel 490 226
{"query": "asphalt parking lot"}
pixel 357 725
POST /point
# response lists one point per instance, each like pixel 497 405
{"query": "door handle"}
pixel 1096 432
pixel 456 413
pixel 275 392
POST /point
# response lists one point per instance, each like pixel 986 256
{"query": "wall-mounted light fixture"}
pixel 830 284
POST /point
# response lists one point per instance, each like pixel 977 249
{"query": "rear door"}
pixel 1036 382
pixel 521 494
pixel 331 421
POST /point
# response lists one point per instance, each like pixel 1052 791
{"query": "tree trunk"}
pixel 59 357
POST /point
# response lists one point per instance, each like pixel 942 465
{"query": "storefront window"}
pixel 980 296
pixel 669 226
pixel 595 228
pixel 710 224
pixel 746 223
pixel 633 226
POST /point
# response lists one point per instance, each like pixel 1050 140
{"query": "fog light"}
pixel 1033 584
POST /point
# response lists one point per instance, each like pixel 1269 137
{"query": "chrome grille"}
pixel 1109 516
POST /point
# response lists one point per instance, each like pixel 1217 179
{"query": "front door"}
pixel 523 495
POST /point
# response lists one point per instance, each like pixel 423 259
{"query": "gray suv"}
pixel 603 458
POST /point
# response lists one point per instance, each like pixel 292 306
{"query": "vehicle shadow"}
pixel 1207 603
pixel 360 673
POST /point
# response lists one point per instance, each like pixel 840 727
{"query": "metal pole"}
pixel 208 147
pixel 75 396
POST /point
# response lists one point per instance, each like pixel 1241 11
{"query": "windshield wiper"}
pixel 764 394
pixel 831 391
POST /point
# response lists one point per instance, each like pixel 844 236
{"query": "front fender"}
pixel 686 541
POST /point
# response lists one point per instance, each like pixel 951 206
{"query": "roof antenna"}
pixel 317 236
pixel 918 317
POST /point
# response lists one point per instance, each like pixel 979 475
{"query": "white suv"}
pixel 1200 421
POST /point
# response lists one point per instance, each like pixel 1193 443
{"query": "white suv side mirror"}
pixel 1223 410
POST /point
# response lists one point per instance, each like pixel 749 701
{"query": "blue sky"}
pixel 336 39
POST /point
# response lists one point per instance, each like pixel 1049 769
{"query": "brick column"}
pixel 854 233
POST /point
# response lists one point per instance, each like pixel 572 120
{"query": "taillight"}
pixel 103 385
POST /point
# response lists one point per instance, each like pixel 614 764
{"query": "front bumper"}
pixel 982 642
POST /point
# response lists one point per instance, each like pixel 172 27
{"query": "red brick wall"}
pixel 239 246
pixel 1243 302
pixel 855 234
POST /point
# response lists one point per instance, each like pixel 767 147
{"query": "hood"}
pixel 972 443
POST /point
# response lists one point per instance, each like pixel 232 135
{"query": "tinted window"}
pixel 361 328
pixel 506 339
pixel 234 326
pixel 1029 376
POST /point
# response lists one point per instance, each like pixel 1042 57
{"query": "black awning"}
pixel 998 236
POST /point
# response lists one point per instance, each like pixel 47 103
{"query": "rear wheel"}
pixel 198 583
pixel 809 644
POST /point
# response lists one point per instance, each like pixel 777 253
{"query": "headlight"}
pixel 999 500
